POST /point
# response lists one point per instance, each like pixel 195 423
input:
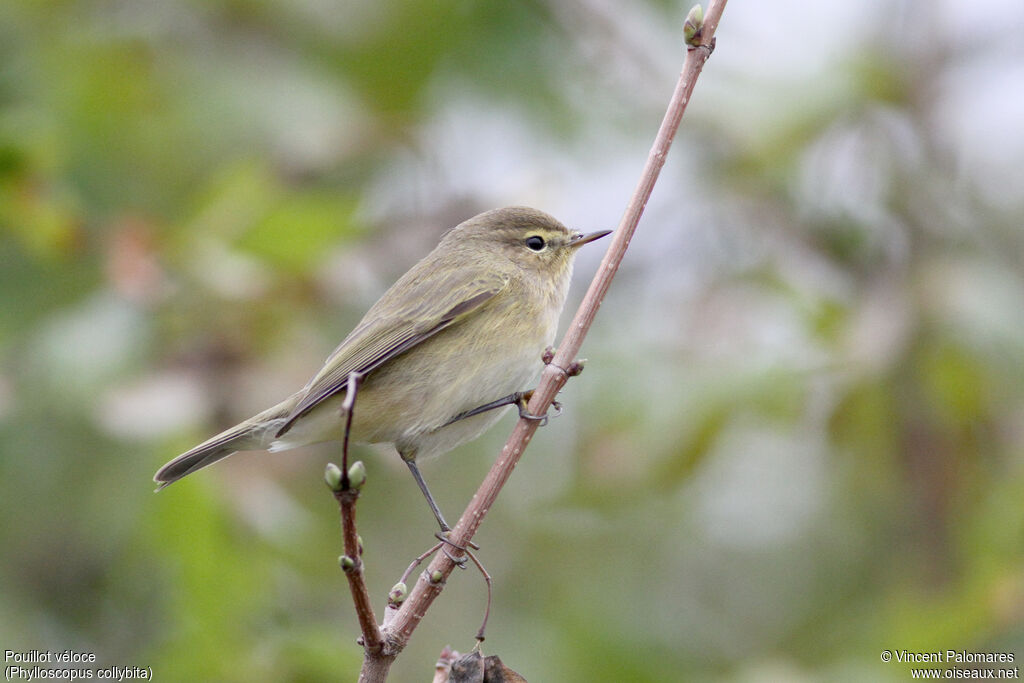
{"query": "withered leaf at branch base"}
pixel 473 668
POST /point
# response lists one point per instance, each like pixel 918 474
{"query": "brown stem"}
pixel 346 492
pixel 352 565
pixel 487 611
pixel 431 581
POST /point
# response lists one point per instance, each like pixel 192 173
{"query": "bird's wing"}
pixel 435 305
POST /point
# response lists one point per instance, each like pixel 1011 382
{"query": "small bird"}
pixel 459 333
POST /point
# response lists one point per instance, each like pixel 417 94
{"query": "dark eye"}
pixel 535 243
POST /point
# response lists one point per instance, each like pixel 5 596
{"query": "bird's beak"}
pixel 579 239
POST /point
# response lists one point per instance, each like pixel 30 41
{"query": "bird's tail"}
pixel 254 433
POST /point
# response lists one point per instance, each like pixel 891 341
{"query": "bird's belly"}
pixel 410 400
pixel 450 386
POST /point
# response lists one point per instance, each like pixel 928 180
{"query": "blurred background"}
pixel 799 440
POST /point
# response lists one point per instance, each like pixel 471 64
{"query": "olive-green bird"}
pixel 463 328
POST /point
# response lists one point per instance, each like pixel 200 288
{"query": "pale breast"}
pixel 410 400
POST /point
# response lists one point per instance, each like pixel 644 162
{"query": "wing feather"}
pixel 378 339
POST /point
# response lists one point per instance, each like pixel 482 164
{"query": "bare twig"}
pixel 400 626
pixel 555 374
pixel 346 485
pixel 352 564
pixel 416 562
pixel 487 611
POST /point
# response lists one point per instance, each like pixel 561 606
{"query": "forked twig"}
pixel 346 485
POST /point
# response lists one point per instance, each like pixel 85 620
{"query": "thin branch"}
pixel 487 611
pixel 555 374
pixel 346 484
pixel 416 562
pixel 352 564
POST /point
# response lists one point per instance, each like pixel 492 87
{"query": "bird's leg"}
pixel 518 399
pixel 411 462
pixel 521 398
pixel 443 534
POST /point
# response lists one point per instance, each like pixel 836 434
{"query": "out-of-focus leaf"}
pixel 214 587
pixel 299 229
pixel 691 450
pixel 954 384
pixel 392 60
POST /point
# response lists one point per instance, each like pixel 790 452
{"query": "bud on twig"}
pixel 694 23
pixel 332 475
pixel 398 594
pixel 357 475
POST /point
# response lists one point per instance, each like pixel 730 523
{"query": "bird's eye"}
pixel 535 243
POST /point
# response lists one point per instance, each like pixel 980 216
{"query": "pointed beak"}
pixel 579 239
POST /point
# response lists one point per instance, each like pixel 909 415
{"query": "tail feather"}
pixel 206 453
pixel 248 435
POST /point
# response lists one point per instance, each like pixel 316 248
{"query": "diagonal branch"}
pixel 555 374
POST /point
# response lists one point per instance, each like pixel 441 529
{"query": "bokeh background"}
pixel 799 440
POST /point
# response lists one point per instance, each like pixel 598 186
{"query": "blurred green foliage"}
pixel 800 437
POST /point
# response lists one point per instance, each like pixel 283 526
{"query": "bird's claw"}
pixel 527 415
pixel 460 562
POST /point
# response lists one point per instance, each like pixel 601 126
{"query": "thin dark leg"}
pixel 501 402
pixel 519 399
pixel 426 493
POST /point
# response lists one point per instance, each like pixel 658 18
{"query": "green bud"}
pixel 436 576
pixel 694 23
pixel 357 474
pixel 347 563
pixel 398 594
pixel 332 475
